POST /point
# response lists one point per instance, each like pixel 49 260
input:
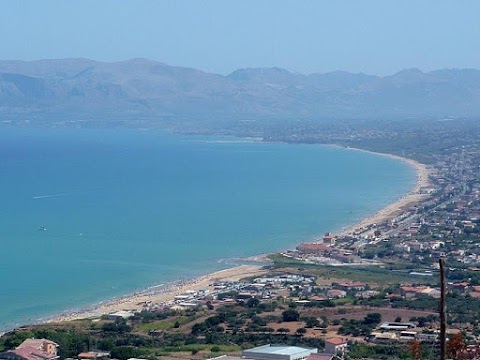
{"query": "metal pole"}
pixel 443 312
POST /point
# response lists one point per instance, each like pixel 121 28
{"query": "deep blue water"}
pixel 125 209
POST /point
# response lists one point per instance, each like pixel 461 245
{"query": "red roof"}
pixel 314 247
pixel 87 355
pixel 336 341
pixel 30 353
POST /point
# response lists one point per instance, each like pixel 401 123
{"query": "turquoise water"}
pixel 125 209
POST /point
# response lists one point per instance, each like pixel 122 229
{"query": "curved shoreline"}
pixel 163 294
pixel 413 197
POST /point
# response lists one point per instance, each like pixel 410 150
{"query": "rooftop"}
pixel 336 341
pixel 278 349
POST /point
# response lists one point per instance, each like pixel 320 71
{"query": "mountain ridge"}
pixel 146 88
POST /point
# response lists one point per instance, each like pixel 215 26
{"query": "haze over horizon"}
pixel 372 37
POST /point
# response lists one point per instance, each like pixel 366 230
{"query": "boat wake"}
pixel 50 196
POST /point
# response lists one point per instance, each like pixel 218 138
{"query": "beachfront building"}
pixel 119 315
pixel 278 352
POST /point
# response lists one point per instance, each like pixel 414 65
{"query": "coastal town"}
pixel 240 180
pixel 370 291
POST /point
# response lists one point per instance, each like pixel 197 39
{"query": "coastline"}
pixel 165 294
pixel 412 198
pixel 159 294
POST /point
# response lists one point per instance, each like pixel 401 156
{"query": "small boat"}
pixel 42 228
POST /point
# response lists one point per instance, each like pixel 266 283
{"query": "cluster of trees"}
pixel 462 309
pixel 360 327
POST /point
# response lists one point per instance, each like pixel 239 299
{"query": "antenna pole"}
pixel 443 312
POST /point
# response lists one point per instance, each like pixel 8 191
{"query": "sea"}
pixel 87 215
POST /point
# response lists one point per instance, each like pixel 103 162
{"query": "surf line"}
pixel 50 196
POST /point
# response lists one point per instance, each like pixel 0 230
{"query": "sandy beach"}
pixel 162 294
pixel 394 209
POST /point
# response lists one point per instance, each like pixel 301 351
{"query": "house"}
pixel 461 287
pixel 410 292
pixel 435 293
pixel 93 355
pixel 33 349
pixel 336 294
pixel 336 346
pixel 354 285
pixel 27 353
pixel 48 346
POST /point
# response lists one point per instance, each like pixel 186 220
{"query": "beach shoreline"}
pixel 165 294
pixel 159 295
pixel 412 198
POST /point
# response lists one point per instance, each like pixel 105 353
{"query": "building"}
pixel 314 248
pixel 93 355
pixel 336 294
pixel 27 353
pixel 329 239
pixel 48 346
pixel 396 326
pixel 33 349
pixel 336 346
pixel 321 356
pixel 122 314
pixel 278 352
pixel 353 285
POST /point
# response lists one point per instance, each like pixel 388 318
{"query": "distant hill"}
pixel 82 88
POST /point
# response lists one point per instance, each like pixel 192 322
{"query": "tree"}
pixel 253 303
pixel 290 315
pixel 124 352
pixel 311 321
pixel 372 319
pixel 455 346
pixel 301 331
pixel 416 349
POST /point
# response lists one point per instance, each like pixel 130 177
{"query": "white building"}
pixel 278 352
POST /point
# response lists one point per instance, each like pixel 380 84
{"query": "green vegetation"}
pixel 383 275
pixel 360 327
pixel 163 324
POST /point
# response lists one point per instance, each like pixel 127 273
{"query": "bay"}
pixel 87 214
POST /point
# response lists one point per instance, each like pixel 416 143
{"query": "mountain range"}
pixel 141 88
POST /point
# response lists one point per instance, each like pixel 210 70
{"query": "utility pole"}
pixel 443 312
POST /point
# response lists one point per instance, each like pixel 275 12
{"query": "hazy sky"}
pixel 376 37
